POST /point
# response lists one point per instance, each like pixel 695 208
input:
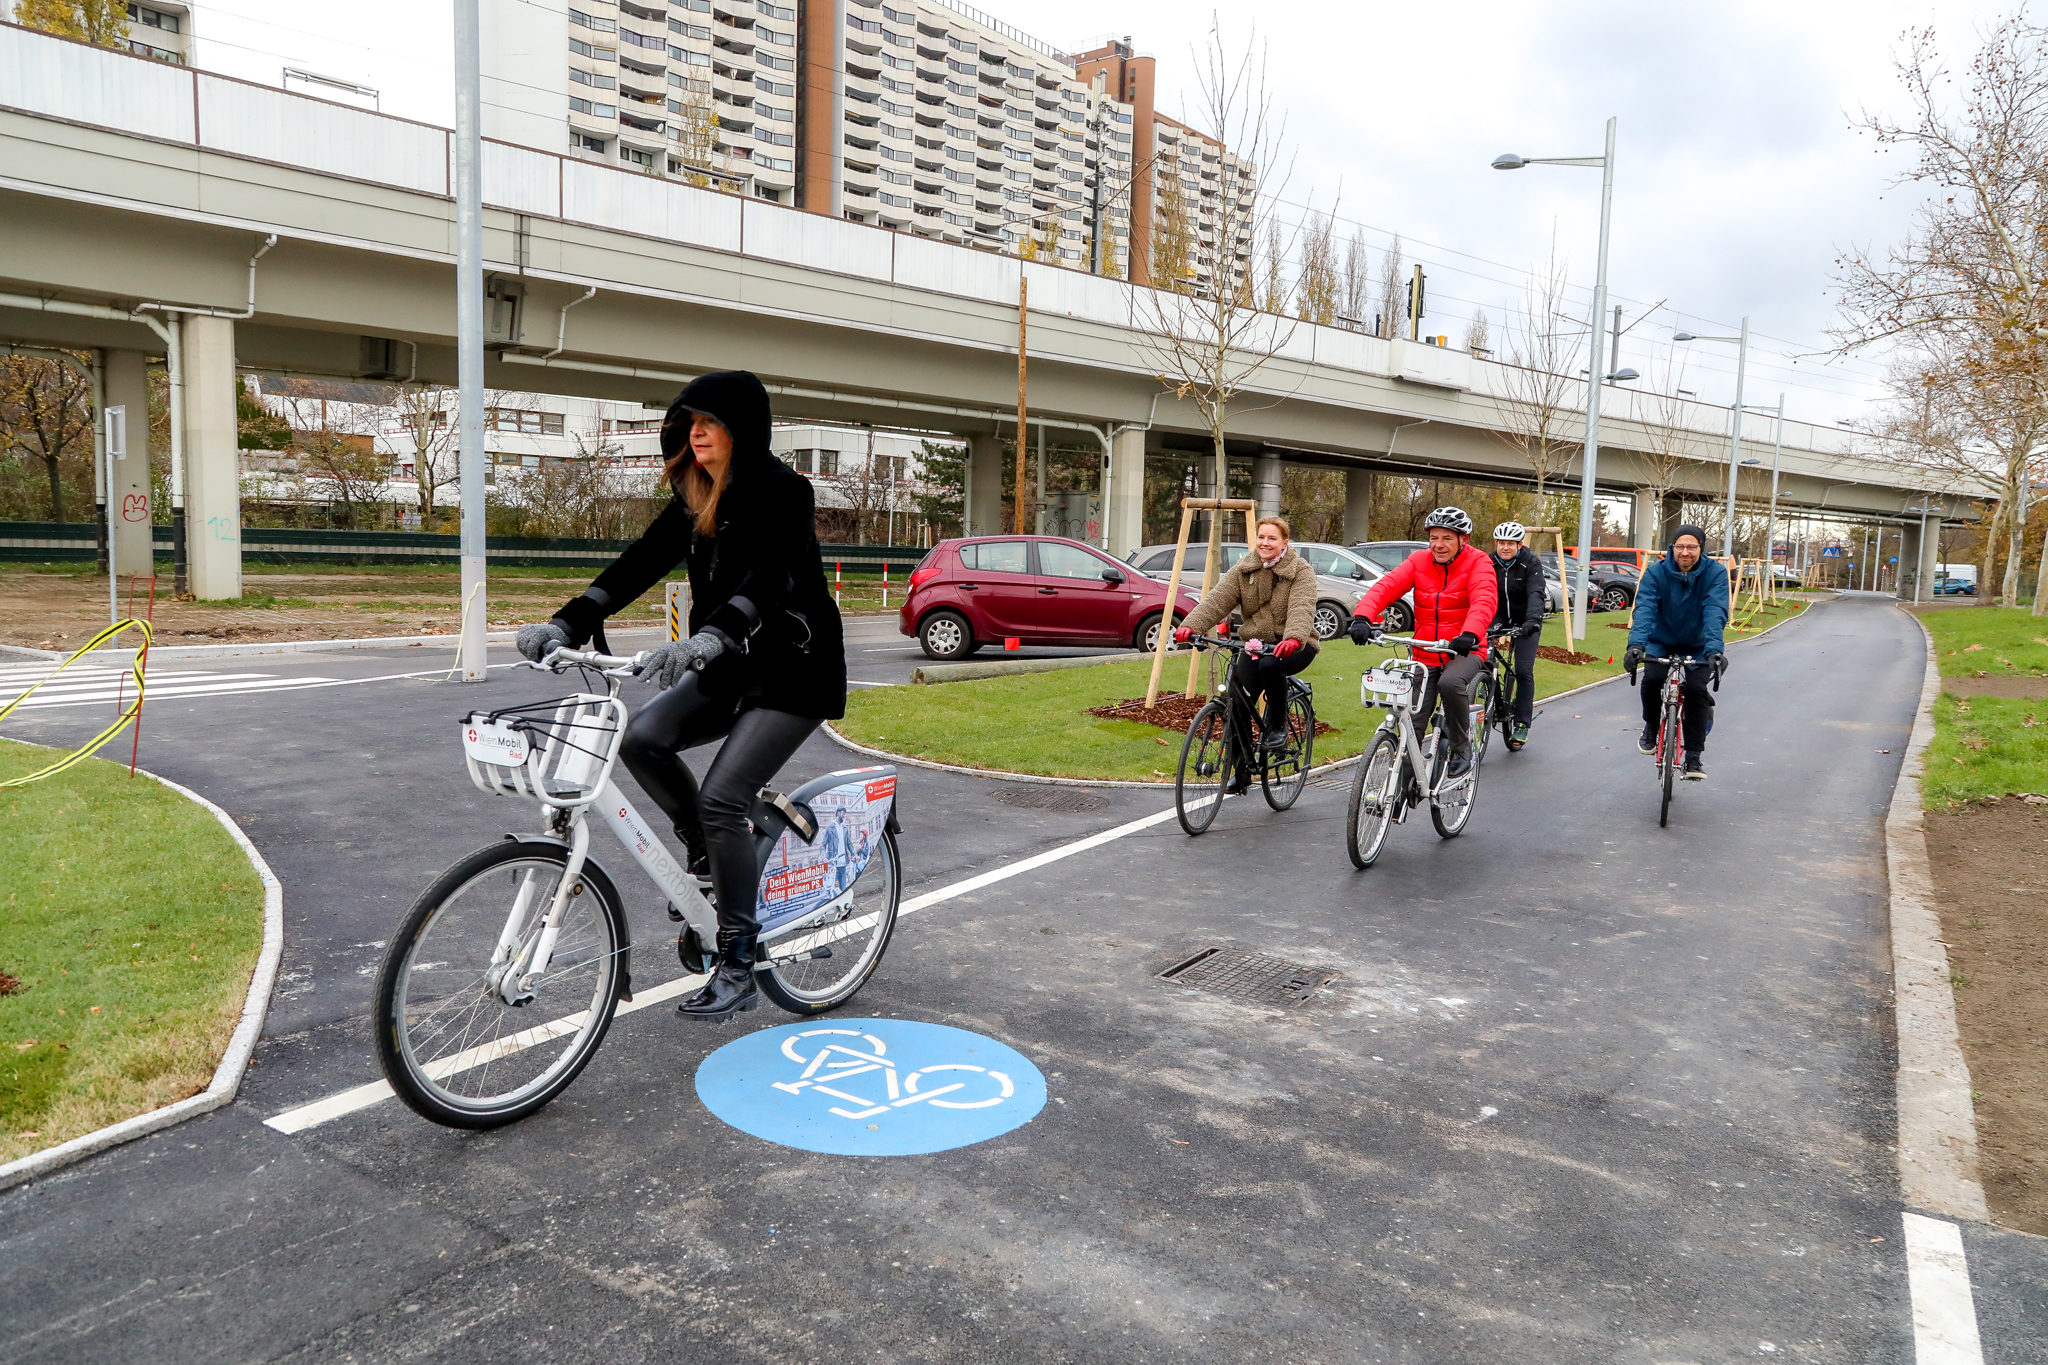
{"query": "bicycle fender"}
pixel 600 882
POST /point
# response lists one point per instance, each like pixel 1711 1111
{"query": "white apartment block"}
pixel 924 116
pixel 1210 178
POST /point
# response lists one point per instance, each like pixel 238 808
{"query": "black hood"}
pixel 1690 530
pixel 739 402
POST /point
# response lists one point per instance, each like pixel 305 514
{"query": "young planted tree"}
pixel 1208 351
pixel 430 436
pixel 1393 284
pixel 1478 338
pixel 1966 291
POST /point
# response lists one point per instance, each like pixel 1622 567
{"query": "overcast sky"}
pixel 1738 173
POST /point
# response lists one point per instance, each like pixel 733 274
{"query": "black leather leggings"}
pixel 757 744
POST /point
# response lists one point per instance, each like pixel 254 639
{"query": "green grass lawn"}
pixel 132 923
pixel 1039 722
pixel 1987 746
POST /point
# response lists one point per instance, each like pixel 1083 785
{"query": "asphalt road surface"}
pixel 1583 1089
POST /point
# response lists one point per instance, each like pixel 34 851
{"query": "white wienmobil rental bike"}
pixel 500 984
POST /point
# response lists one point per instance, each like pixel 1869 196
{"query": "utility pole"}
pixel 1614 352
pixel 469 331
pixel 1416 287
pixel 1023 294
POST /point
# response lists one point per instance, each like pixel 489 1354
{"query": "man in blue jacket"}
pixel 1681 608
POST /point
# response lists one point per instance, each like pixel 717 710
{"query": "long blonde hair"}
pixel 694 486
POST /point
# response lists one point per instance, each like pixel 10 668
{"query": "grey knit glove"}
pixel 667 664
pixel 535 641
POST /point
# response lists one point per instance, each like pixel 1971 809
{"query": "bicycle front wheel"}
pixel 821 966
pixel 450 1046
pixel 1286 774
pixel 1374 793
pixel 1667 760
pixel 1205 761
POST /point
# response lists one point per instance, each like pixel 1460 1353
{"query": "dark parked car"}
pixel 1336 592
pixel 1042 590
pixel 1387 553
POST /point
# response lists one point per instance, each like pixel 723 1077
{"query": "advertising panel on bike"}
pixel 799 878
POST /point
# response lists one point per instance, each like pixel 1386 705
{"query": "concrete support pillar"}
pixel 1667 519
pixel 1918 560
pixel 213 504
pixel 1266 474
pixel 1357 505
pixel 985 485
pixel 1644 520
pixel 1124 519
pixel 127 379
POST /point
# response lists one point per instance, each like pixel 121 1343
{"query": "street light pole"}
pixel 1735 443
pixel 1589 470
pixel 1771 518
pixel 469 333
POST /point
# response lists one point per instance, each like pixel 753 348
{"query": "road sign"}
pixel 1893 560
pixel 1831 552
pixel 871 1087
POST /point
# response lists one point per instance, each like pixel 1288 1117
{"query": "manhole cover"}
pixel 1050 798
pixel 1258 978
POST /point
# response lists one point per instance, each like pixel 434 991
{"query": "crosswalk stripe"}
pixel 66 684
pixel 165 691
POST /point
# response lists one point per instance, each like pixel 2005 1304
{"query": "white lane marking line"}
pixel 162 691
pixel 376 1092
pixel 1944 1312
pixel 66 686
pixel 363 1096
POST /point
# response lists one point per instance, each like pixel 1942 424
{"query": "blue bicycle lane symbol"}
pixel 871 1087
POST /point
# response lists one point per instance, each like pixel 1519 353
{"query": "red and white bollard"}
pixel 838 578
pixel 885 585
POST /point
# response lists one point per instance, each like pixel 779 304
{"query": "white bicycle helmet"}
pixel 1511 530
pixel 1450 518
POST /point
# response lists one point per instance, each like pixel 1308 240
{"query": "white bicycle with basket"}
pixel 1397 773
pixel 500 984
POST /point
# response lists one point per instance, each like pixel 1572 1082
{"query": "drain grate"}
pixel 1050 798
pixel 1257 978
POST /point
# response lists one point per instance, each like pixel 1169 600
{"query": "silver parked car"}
pixel 1334 594
pixel 1335 561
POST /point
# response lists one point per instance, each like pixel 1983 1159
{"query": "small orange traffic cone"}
pixel 1610 658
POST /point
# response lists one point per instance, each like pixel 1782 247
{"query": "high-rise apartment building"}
pixel 925 116
pixel 162 29
pixel 1184 180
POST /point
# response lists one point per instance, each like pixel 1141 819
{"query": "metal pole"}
pixel 1614 351
pixel 1591 463
pixel 1023 295
pixel 1735 443
pixel 1771 520
pixel 469 330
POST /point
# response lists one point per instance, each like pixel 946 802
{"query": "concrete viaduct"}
pixel 148 209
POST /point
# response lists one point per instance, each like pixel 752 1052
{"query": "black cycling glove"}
pixel 1362 631
pixel 1632 657
pixel 1464 642
pixel 1529 628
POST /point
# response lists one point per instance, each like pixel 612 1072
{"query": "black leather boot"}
pixel 731 987
pixel 696 861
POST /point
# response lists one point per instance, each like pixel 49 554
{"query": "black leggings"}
pixel 759 743
pixel 1697 703
pixel 1525 647
pixel 1266 676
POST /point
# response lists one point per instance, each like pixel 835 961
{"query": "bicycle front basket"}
pixel 560 750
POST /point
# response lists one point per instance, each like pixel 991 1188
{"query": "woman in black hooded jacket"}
pixel 764 662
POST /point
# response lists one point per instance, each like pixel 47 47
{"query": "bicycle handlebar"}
pixel 1687 661
pixel 613 664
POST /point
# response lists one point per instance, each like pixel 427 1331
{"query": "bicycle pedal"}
pixel 675 916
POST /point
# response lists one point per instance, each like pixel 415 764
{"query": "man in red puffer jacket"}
pixel 1456 595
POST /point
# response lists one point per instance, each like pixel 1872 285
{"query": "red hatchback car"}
pixel 1042 590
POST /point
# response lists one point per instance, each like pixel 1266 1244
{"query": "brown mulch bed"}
pixel 1175 711
pixel 1990 865
pixel 1558 654
pixel 2005 685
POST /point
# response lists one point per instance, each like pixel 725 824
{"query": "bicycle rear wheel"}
pixel 450 1046
pixel 1284 775
pixel 1453 808
pixel 1374 794
pixel 1667 760
pixel 822 966
pixel 1205 763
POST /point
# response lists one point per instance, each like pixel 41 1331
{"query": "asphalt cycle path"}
pixel 1583 1088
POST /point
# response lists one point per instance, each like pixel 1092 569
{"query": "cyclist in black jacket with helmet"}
pixel 763 665
pixel 1523 601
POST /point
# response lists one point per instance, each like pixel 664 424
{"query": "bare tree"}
pixel 1670 447
pixel 1967 288
pixel 1537 380
pixel 1272 286
pixel 1315 289
pixel 46 414
pixel 333 457
pixel 430 435
pixel 1478 340
pixel 1393 289
pixel 1357 282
